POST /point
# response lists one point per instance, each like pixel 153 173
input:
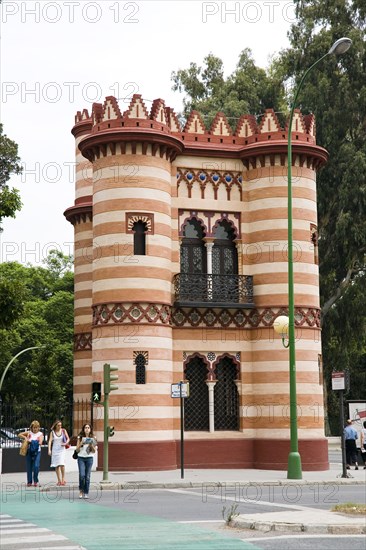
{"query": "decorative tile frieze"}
pixel 210 178
pixel 119 313
pixel 83 341
pixel 231 318
pixel 157 314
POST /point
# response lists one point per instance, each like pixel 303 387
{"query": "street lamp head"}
pixel 340 46
pixel 280 325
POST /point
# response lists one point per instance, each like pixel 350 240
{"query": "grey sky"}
pixel 59 57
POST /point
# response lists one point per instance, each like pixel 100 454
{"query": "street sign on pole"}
pixel 338 381
pixel 181 390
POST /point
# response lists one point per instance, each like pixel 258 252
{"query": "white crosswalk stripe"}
pixel 18 534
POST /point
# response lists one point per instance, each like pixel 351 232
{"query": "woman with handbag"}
pixel 57 443
pixel 85 447
pixel 33 457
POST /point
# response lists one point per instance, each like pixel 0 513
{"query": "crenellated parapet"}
pixel 158 132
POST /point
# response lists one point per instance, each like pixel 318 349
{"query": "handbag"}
pixel 64 439
pixel 75 454
pixel 24 447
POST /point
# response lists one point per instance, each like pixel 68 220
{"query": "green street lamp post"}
pixel 294 470
pixel 12 360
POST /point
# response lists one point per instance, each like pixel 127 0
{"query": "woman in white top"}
pixel 86 446
pixel 33 456
pixel 57 442
pixel 363 443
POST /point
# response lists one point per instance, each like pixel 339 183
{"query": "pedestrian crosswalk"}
pixel 16 534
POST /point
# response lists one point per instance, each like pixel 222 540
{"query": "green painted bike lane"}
pixel 98 527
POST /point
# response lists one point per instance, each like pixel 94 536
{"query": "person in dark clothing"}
pixel 350 436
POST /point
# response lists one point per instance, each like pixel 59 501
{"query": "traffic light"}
pixel 110 431
pixel 108 378
pixel 96 392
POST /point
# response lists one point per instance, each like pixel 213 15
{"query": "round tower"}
pixel 266 259
pixel 81 217
pixel 131 293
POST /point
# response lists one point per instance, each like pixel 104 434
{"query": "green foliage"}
pixel 10 202
pixel 336 92
pixel 12 294
pixel 249 89
pixel 230 514
pixel 45 319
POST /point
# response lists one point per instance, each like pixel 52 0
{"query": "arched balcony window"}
pixel 193 251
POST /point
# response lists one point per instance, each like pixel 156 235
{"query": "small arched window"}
pixel 139 238
pixel 140 363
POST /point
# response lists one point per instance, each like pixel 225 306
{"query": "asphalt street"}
pixel 162 519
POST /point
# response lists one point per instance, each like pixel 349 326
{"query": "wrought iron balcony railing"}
pixel 202 290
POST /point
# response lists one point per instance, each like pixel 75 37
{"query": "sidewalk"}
pixel 295 519
pixel 196 478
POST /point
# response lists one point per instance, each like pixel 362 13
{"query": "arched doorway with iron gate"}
pixel 226 395
pixel 196 409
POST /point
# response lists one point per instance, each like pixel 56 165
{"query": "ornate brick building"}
pixel 180 271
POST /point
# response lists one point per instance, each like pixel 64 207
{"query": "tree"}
pixel 336 92
pixel 249 89
pixel 10 202
pixel 45 319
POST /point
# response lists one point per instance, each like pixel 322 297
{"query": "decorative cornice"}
pixel 310 155
pixel 79 213
pixel 95 145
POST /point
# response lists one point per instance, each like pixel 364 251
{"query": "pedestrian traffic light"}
pixel 96 392
pixel 108 378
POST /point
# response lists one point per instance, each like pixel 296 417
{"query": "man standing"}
pixel 350 436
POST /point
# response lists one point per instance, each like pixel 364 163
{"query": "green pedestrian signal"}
pixel 108 378
pixel 96 392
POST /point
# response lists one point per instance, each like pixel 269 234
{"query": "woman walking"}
pixel 33 456
pixel 85 447
pixel 57 442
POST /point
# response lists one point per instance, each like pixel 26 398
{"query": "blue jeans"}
pixel 85 466
pixel 33 467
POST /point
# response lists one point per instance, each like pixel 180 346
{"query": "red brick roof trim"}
pixel 137 108
pixel 219 124
pixel 111 103
pixel 195 124
pixel 269 122
pixel 247 126
pixel 158 111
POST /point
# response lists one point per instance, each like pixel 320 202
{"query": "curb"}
pixel 199 484
pixel 315 528
pixel 195 484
